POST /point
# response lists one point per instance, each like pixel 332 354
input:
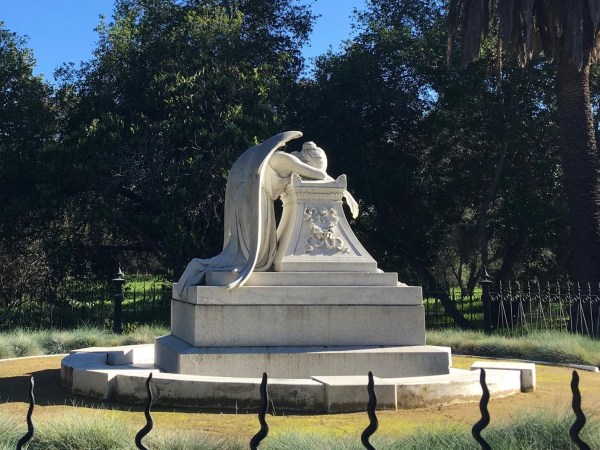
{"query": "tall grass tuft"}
pixel 90 337
pixel 535 430
pixel 22 342
pixel 309 441
pixel 541 430
pixel 144 334
pixel 10 431
pixel 549 346
pixel 5 348
pixel 192 441
pixel 94 431
pixel 82 431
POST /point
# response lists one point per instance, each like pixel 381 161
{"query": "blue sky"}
pixel 63 30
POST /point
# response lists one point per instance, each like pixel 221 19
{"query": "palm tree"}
pixel 567 33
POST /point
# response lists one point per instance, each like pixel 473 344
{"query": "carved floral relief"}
pixel 322 224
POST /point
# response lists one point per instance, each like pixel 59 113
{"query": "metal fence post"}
pixel 486 299
pixel 118 306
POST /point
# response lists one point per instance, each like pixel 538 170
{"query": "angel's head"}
pixel 312 155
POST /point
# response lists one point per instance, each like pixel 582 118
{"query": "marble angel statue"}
pixel 255 181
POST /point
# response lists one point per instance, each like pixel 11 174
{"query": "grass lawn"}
pixel 187 427
pixel 536 420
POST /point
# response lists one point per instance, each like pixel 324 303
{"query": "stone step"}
pixel 307 279
pixel 175 356
pixel 87 373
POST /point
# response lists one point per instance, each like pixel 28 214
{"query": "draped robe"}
pixel 250 239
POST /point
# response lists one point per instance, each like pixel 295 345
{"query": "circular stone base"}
pixel 119 374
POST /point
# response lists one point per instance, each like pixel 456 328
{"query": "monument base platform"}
pixel 120 373
pixel 174 355
pixel 301 309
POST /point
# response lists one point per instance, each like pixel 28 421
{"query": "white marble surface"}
pixel 314 235
pixel 316 294
pixel 316 394
pixel 305 279
pixel 173 355
pixel 258 178
pixel 295 324
pixel 527 371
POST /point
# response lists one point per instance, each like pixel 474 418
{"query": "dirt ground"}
pixel 552 394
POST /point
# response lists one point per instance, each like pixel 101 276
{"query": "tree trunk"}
pixel 580 168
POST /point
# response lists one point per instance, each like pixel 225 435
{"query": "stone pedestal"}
pixel 299 325
pixel 300 315
pixel 317 322
pixel 175 356
pixel 325 310
pixel 313 234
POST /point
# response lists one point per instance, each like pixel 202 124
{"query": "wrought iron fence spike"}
pixel 485 414
pixel 30 429
pixel 579 415
pixel 373 422
pixel 264 404
pixel 149 423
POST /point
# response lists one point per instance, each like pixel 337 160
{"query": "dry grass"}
pixel 552 394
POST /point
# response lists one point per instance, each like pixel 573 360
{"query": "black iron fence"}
pixel 468 306
pixel 505 308
pixel 90 302
pixel 480 425
pixel 517 308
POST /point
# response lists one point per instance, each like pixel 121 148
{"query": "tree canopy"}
pixel 568 34
pixel 125 159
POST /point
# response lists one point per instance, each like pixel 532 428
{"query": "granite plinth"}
pixel 305 279
pixel 174 355
pixel 294 314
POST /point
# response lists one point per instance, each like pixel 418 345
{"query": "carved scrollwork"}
pixel 322 225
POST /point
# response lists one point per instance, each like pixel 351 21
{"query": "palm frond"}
pixel 594 8
pixel 477 25
pixel 573 38
pixel 559 28
pixel 454 14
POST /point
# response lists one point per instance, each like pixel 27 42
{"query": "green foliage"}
pixel 23 343
pixel 450 168
pixel 552 347
pixel 175 92
pixel 27 126
pixel 527 430
pixel 365 107
pixel 126 159
pixel 19 343
pixel 100 431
